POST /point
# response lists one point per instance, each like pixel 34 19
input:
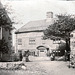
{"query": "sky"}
pixel 31 10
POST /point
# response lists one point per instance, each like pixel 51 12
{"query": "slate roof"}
pixel 33 26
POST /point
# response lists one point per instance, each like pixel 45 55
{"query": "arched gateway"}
pixel 42 51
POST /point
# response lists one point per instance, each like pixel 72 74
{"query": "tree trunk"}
pixel 68 48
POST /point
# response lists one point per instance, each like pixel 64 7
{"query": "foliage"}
pixel 15 57
pixel 5 20
pixel 4 46
pixel 3 17
pixel 62 48
pixel 61 28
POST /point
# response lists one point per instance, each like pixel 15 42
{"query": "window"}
pixel 19 41
pixel 56 41
pixel 0 33
pixel 31 41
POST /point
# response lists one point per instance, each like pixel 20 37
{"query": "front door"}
pixel 42 53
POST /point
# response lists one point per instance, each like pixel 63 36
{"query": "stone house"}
pixel 30 36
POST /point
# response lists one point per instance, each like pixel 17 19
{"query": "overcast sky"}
pixel 30 10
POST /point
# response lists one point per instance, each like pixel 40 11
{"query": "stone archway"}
pixel 42 51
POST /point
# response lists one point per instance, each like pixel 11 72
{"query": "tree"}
pixel 61 48
pixel 5 23
pixel 61 29
pixel 3 47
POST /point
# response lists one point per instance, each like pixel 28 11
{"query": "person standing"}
pixel 26 56
pixel 20 56
pixel 65 55
pixel 48 52
pixel 52 56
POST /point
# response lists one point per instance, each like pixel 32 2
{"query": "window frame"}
pixel 32 41
pixel 19 41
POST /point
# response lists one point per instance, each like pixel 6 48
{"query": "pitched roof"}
pixel 33 26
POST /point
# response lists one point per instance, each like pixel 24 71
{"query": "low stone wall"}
pixel 12 65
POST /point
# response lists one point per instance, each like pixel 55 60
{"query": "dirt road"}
pixel 42 67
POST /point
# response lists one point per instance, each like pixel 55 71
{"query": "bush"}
pixel 61 49
pixel 15 57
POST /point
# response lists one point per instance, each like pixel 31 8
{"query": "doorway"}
pixel 42 50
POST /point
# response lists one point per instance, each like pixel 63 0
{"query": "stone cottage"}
pixel 30 36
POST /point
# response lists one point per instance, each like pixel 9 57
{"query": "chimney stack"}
pixel 49 17
pixel 49 14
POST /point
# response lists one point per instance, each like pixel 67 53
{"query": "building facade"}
pixel 30 36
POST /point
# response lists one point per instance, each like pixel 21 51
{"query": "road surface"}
pixel 42 66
